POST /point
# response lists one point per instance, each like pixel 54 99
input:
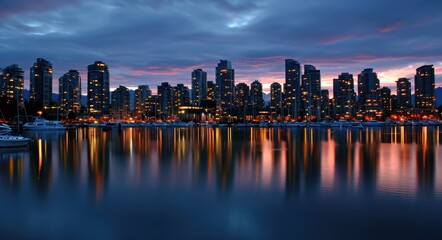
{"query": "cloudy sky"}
pixel 149 42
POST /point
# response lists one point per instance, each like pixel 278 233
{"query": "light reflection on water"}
pixel 235 175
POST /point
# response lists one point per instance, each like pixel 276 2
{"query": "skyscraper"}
pixel 385 101
pixel 70 93
pixel 151 104
pixel 368 94
pixel 98 99
pixel 256 98
pixel 424 88
pixel 292 87
pixel 275 99
pixel 225 83
pixel 121 102
pixel 403 94
pixel 141 95
pixel 199 86
pixel 180 97
pixel 12 85
pixel 345 96
pixel 211 88
pixel 41 83
pixel 311 92
pixel 325 104
pixel 242 97
pixel 165 100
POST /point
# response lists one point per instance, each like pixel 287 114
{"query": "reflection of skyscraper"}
pixel 369 159
pixel 424 87
pixel 303 161
pixel 275 99
pixel 403 94
pixel 41 83
pixel 98 162
pixel 425 160
pixel 199 86
pixel 292 87
pixel 344 95
pixel 344 157
pixel 70 155
pixel 70 92
pixel 225 83
pixel 98 97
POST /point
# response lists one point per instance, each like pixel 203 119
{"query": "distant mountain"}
pixel 27 94
pixel 83 100
pixel 266 97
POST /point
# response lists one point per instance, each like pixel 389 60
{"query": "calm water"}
pixel 226 183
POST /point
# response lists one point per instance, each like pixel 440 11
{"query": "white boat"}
pixel 13 141
pixel 43 124
pixel 7 141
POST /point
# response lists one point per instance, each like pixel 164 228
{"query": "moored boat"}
pixel 43 124
pixel 7 141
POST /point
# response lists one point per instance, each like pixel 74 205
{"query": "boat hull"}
pixel 13 141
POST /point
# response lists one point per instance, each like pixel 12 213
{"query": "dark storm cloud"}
pixel 147 42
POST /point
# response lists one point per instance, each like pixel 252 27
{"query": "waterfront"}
pixel 224 183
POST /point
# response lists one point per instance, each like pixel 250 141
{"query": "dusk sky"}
pixel 149 42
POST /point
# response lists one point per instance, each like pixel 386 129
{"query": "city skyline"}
pixel 188 82
pixel 255 36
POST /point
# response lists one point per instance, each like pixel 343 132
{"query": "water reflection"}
pixel 393 162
